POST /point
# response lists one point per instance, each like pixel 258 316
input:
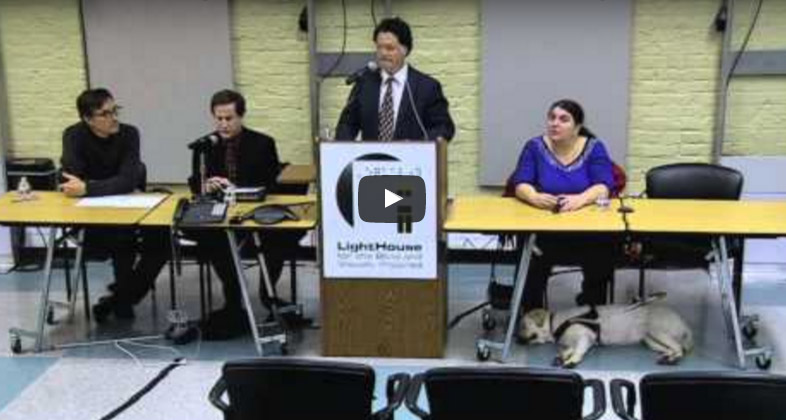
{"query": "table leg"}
pixel 727 297
pixel 80 240
pixel 265 280
pixel 277 330
pixel 43 303
pixel 515 303
pixel 241 278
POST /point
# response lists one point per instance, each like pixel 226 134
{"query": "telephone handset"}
pixel 189 212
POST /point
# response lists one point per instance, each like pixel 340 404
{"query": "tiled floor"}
pixel 87 382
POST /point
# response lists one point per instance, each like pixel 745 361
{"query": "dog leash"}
pixel 651 299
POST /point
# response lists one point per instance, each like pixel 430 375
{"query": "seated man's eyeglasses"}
pixel 107 112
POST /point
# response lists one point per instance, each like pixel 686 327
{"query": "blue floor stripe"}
pixel 18 373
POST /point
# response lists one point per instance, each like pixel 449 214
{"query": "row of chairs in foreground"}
pixel 291 388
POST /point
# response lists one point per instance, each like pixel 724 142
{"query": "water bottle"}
pixel 23 189
pixel 326 133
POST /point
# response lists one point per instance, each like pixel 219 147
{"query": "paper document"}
pixel 127 201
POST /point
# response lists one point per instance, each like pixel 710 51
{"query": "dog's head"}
pixel 536 327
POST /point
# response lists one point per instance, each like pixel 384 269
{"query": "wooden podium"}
pixel 370 305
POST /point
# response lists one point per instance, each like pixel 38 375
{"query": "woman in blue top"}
pixel 564 170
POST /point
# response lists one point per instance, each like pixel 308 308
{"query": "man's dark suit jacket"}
pixel 361 112
pixel 257 161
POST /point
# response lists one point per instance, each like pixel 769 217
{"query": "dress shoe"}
pixel 102 309
pixel 278 302
pixel 109 306
pixel 291 320
pixel 224 324
pixel 123 311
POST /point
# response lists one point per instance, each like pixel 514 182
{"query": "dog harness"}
pixel 588 319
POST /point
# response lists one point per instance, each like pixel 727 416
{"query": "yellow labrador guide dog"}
pixel 577 330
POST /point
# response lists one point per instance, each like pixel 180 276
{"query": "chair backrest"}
pixel 694 180
pixel 713 395
pixel 284 388
pixel 503 393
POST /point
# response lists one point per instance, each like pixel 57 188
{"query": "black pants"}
pixel 275 246
pixel 595 254
pixel 118 244
pixel 212 246
pixel 137 258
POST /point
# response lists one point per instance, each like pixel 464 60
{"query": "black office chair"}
pixel 285 388
pixel 504 393
pixel 702 395
pixel 689 181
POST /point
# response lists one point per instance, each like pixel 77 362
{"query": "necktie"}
pixel 231 159
pixel 386 113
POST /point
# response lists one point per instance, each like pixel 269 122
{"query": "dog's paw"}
pixel 569 364
pixel 666 360
pixel 564 362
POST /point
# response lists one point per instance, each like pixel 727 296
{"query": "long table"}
pixel 718 220
pixel 54 210
pixel 488 214
pixel 485 214
pixel 304 206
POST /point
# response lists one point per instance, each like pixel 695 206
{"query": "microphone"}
pixel 371 66
pixel 208 140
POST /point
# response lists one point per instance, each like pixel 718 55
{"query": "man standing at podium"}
pixel 397 102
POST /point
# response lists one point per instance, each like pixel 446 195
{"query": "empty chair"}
pixel 701 181
pixel 286 388
pixel 504 393
pixel 702 395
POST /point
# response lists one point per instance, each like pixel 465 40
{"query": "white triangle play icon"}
pixel 391 198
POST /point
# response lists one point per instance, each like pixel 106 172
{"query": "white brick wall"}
pixel 44 71
pixel 673 89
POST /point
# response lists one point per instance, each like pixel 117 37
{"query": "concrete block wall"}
pixel 271 70
pixel 757 105
pixel 676 56
pixel 675 60
pixel 44 72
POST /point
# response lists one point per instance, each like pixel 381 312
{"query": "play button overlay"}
pixel 392 199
